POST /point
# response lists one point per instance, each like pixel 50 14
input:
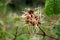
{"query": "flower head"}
pixel 31 18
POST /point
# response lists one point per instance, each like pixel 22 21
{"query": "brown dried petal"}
pixel 31 12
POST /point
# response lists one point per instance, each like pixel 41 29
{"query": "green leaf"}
pixel 0 34
pixel 52 7
pixel 17 19
pixel 57 30
pixel 9 35
pixel 8 21
pixel 23 37
pixel 1 27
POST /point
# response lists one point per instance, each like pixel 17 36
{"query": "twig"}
pixel 39 34
pixel 52 37
pixel 43 34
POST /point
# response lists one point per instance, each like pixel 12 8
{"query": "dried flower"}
pixel 31 18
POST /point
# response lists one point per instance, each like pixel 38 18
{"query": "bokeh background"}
pixel 13 27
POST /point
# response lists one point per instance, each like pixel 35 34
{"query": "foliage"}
pixel 57 30
pixel 14 27
pixel 52 7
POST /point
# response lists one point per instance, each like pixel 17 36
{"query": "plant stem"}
pixel 44 34
pixel 15 33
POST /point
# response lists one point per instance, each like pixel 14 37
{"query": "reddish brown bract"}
pixel 27 21
pixel 38 23
pixel 36 17
pixel 31 12
pixel 32 23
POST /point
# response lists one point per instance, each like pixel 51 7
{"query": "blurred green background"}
pixel 12 26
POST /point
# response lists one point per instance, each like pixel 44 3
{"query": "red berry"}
pixel 31 12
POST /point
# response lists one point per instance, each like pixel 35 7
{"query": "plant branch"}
pixel 52 37
pixel 39 34
pixel 43 34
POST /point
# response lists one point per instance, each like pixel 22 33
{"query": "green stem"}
pixel 44 34
pixel 16 33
